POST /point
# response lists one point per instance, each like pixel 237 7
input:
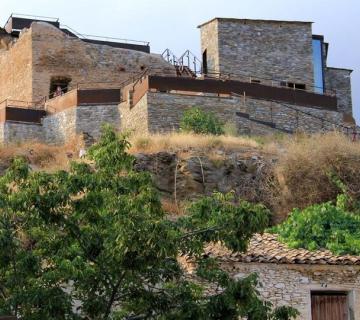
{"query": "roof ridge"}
pixel 266 248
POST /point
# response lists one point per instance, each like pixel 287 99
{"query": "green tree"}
pixel 200 122
pixel 322 226
pixel 94 243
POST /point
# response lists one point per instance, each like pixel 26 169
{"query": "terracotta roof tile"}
pixel 266 248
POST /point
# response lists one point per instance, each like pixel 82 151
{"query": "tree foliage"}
pixel 94 243
pixel 201 122
pixel 321 226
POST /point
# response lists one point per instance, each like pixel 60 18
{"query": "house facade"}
pixel 320 285
pixel 265 77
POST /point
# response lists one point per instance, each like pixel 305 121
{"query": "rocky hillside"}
pixel 283 173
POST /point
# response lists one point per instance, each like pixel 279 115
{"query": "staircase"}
pixel 188 65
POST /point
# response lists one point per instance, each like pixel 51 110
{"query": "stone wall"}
pixel 16 70
pixel 210 43
pixel 15 132
pixel 43 52
pixel 135 119
pixel 2 126
pixel 60 127
pixel 162 112
pixel 57 55
pixel 292 118
pixel 261 49
pixel 165 110
pixel 89 119
pixel 292 284
pixel 339 81
pixel 65 125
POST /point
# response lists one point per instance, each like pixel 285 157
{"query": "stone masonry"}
pixel 292 284
pixel 161 112
pixel 16 70
pixel 276 50
pixel 339 81
pixel 62 126
pixel 16 132
pixel 44 52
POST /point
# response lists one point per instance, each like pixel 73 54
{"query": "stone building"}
pixel 284 53
pixel 263 76
pixel 318 284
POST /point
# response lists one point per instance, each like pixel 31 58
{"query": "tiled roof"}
pixel 266 248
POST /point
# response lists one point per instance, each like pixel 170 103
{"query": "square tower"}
pixel 263 50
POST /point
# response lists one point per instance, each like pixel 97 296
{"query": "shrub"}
pixel 322 226
pixel 200 122
pixel 306 166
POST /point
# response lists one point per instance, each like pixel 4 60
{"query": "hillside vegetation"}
pixel 296 171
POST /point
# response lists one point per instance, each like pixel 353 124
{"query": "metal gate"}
pixel 329 306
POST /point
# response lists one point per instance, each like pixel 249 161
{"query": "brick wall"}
pixel 339 81
pixel 292 284
pixel 263 49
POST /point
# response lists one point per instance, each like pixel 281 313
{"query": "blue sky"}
pixel 172 24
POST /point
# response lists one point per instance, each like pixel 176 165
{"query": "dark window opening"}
pixel 204 59
pixel 255 81
pixel 292 85
pixel 299 86
pixel 59 86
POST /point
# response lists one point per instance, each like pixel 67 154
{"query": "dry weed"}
pixel 305 167
pixel 183 141
pixel 42 156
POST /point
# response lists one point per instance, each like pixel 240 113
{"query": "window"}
pixel 329 305
pixel 255 81
pixel 318 65
pixel 299 86
pixel 293 85
pixel 59 85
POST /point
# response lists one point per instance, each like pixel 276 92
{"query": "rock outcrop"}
pixel 190 176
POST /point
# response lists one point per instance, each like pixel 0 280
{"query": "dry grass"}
pixel 305 166
pixel 182 141
pixel 173 209
pixel 41 156
pixel 300 177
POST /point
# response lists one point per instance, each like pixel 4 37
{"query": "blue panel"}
pixel 318 66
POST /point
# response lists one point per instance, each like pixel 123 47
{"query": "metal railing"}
pixel 38 105
pixel 350 131
pixel 191 61
pixel 34 17
pixel 270 81
pixel 170 57
pixel 102 38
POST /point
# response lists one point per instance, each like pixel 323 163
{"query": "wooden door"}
pixel 329 306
